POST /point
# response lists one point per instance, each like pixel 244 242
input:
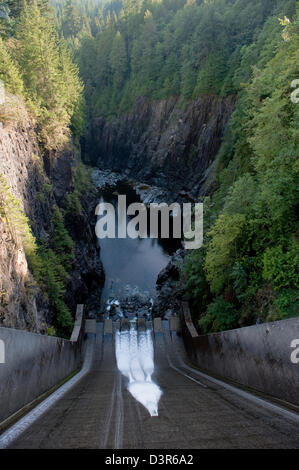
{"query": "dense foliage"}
pixel 167 48
pixel 36 63
pixel 247 269
pixel 249 264
pixel 41 79
pixel 48 264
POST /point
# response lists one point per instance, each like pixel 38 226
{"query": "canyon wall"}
pixel 163 142
pixel 39 182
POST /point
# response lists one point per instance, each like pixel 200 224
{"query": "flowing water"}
pixel 135 360
pixel 132 265
pixel 131 268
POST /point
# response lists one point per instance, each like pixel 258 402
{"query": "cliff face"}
pixel 87 275
pixel 22 303
pixel 160 143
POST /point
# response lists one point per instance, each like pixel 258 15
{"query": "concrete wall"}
pixel 258 357
pixel 34 363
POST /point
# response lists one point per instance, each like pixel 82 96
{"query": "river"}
pixel 131 265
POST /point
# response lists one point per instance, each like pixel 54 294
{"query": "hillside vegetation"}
pixel 168 48
pixel 247 270
pixel 43 88
pixel 35 64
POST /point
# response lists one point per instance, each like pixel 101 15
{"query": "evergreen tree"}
pixel 50 79
pixel 9 72
pixel 72 21
pixel 118 60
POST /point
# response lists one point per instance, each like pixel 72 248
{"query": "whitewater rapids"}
pixel 135 360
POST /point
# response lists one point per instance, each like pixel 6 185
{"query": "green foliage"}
pixel 12 213
pixel 71 21
pixel 161 49
pixel 49 266
pixel 118 59
pixel 50 78
pixel 51 331
pixel 221 315
pixel 239 277
pixel 196 285
pixel 250 256
pixel 38 65
pixel 62 242
pixel 52 276
pixel 281 267
pixel 223 249
pixel 48 187
pixel 286 304
pixel 9 13
pixel 82 184
pixel 9 72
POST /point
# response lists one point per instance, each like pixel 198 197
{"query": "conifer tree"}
pixel 118 59
pixel 9 72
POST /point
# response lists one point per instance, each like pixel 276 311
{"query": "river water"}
pixel 131 265
pixel 134 352
pixel 131 268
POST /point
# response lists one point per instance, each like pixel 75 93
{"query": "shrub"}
pixel 221 315
pixel 222 250
pixel 82 183
pixel 281 266
pixel 62 243
pixel 48 266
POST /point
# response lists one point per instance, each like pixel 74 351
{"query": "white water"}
pixel 135 360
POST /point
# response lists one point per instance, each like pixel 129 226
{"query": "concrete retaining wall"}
pixel 34 363
pixel 258 357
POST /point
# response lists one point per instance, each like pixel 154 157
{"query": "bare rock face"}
pixel 22 303
pixel 170 146
pixel 162 144
pixel 21 165
pixel 170 290
pixel 87 275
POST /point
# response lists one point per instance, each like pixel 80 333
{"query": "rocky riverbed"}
pixel 134 301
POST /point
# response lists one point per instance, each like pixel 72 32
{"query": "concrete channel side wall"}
pixel 259 357
pixel 35 363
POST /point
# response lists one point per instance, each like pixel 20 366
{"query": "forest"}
pixel 42 86
pixel 72 61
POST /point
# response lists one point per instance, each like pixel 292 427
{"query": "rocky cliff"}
pixel 39 182
pixel 163 142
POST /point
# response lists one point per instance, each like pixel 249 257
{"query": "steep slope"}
pixel 162 144
pixel 24 303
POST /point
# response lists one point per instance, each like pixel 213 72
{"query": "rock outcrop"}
pixel 23 304
pixel 161 144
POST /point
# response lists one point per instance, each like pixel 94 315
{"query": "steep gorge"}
pixel 40 181
pixel 163 142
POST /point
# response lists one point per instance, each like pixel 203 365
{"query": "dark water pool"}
pixel 132 264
